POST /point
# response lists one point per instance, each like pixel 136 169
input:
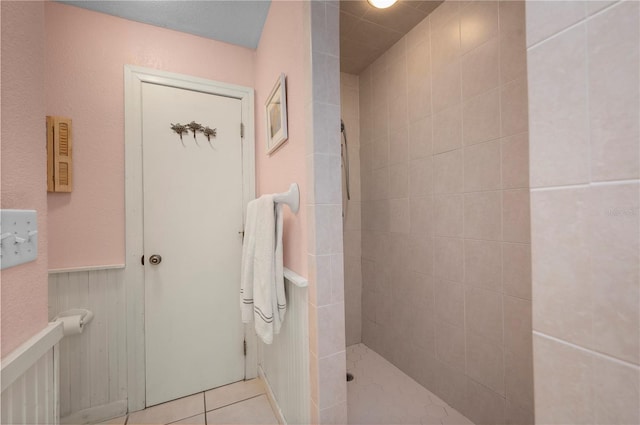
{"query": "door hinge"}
pixel 142 259
pixel 244 347
pixel 241 130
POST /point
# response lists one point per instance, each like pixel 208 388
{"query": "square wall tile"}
pixel 443 14
pixel 327 179
pixel 514 117
pixel 421 255
pixel 483 215
pixel 616 390
pixel 399 180
pixel 450 345
pixel 446 85
pixel 484 406
pixel 481 67
pixel 563 378
pixel 448 260
pixel 518 378
pixel 380 157
pixel 398 114
pixel 478 23
pixel 517 326
pixel 481 118
pixel 516 216
pixel 332 386
pixel 330 329
pixel 420 142
pixel 560 264
pixel 515 414
pixel 447 130
pixel 482 166
pixel 399 215
pixel 515 161
pixel 448 172
pixel 445 42
pixel 451 386
pixel 399 145
pixel 447 217
pixel 559 139
pixel 449 302
pixel 513 51
pixel 485 362
pixel 545 18
pixel 512 15
pixel 419 99
pixel 420 177
pixel 614 253
pixel 516 269
pixel 483 314
pixel 614 93
pixel 420 216
pixel 483 264
pixel 334 415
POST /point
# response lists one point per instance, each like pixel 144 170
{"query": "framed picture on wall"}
pixel 276 114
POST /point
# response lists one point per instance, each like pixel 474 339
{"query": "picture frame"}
pixel 276 115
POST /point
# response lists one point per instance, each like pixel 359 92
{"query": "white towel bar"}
pixel 291 198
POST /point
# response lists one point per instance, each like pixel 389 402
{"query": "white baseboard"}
pixel 97 414
pixel 272 398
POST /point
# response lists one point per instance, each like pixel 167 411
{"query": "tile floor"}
pixel 243 403
pixel 382 394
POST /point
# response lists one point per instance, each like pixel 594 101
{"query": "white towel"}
pixel 262 297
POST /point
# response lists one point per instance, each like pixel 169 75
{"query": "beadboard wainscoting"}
pixel 93 365
pixel 29 380
pixel 284 365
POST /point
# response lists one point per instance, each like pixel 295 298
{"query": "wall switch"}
pixel 18 237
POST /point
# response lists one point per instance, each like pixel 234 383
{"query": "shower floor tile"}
pixel 382 394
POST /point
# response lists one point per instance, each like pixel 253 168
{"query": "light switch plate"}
pixel 18 237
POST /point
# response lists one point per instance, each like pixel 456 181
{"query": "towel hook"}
pixel 291 198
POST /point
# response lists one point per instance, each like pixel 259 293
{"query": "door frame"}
pixel 134 77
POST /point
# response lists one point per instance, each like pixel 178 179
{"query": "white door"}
pixel 192 218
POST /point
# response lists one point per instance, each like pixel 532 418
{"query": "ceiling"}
pixel 366 32
pixel 236 22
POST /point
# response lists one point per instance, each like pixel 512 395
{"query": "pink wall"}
pixel 24 287
pixel 85 56
pixel 280 50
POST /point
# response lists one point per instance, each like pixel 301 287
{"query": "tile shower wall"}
pixel 446 293
pixel 584 93
pixel 351 211
pixel 327 351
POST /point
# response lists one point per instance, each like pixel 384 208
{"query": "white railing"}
pixel 30 380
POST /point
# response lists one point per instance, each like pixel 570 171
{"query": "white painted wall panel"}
pixel 285 363
pixel 31 398
pixel 93 364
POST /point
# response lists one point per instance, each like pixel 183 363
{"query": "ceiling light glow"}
pixel 382 4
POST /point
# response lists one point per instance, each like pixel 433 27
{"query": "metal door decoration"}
pixel 195 128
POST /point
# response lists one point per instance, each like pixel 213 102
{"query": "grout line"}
pixel 235 402
pixel 588 351
pixel 585 185
pixel 584 20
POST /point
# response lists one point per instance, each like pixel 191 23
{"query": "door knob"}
pixel 155 259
